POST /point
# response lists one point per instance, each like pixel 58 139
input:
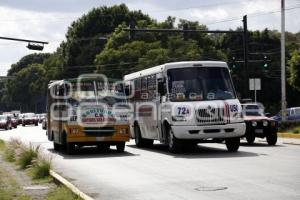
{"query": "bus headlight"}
pixel 265 123
pixel 254 123
pixel 178 118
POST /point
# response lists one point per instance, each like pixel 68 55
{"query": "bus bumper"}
pixel 210 131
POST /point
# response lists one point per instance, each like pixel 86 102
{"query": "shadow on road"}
pixel 92 152
pixel 198 151
pixel 259 144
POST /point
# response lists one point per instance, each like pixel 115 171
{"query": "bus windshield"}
pixel 94 92
pixel 199 83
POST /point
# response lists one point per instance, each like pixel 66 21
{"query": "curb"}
pixel 69 185
pixel 289 135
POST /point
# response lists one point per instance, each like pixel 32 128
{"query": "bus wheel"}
pixel 70 147
pixel 56 146
pixel 120 147
pixel 139 141
pixel 174 144
pixel 232 144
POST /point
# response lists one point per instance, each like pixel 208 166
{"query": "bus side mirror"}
pixel 161 87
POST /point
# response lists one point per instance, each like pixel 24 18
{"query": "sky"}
pixel 48 20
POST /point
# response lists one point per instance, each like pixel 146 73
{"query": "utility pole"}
pixel 283 87
pixel 245 41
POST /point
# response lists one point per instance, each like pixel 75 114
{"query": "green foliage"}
pixel 27 156
pixel 294 69
pixel 35 58
pixel 288 126
pixel 41 169
pixel 9 154
pixel 2 145
pixel 83 49
pixel 62 193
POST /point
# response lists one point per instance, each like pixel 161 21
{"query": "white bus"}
pixel 185 103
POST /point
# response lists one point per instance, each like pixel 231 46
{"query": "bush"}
pixel 2 145
pixel 62 193
pixel 41 169
pixel 284 126
pixel 9 154
pixel 27 156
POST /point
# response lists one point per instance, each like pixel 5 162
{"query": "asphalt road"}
pixel 206 172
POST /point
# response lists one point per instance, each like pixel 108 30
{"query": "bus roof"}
pixel 166 66
pixel 74 80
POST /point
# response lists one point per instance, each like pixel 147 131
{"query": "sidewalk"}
pixel 292 141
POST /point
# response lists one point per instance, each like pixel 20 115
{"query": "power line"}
pixel 253 15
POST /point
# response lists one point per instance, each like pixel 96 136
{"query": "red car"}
pixel 30 119
pixel 5 122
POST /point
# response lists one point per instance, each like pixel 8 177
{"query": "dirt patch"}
pixel 35 191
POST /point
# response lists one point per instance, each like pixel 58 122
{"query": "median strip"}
pixel 289 135
pixel 69 185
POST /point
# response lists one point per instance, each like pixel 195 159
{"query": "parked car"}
pixel 30 118
pixel 5 122
pixel 292 114
pixel 259 125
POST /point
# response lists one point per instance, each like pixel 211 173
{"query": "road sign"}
pixel 254 84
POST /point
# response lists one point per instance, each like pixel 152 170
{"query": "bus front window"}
pixel 200 83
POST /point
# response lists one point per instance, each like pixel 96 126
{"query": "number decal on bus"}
pixel 182 111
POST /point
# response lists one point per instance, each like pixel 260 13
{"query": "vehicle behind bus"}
pixel 185 103
pixel 81 112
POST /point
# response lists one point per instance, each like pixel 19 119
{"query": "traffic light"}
pixel 35 47
pixel 233 63
pixel 266 62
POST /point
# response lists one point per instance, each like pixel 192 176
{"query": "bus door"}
pixel 148 112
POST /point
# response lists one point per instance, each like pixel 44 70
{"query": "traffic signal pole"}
pixel 245 44
pixel 32 44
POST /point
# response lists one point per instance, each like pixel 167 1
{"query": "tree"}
pixel 83 36
pixel 27 60
pixel 294 70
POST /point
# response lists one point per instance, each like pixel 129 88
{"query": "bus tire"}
pixel 56 146
pixel 121 147
pixel 174 144
pixel 139 141
pixel 232 144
